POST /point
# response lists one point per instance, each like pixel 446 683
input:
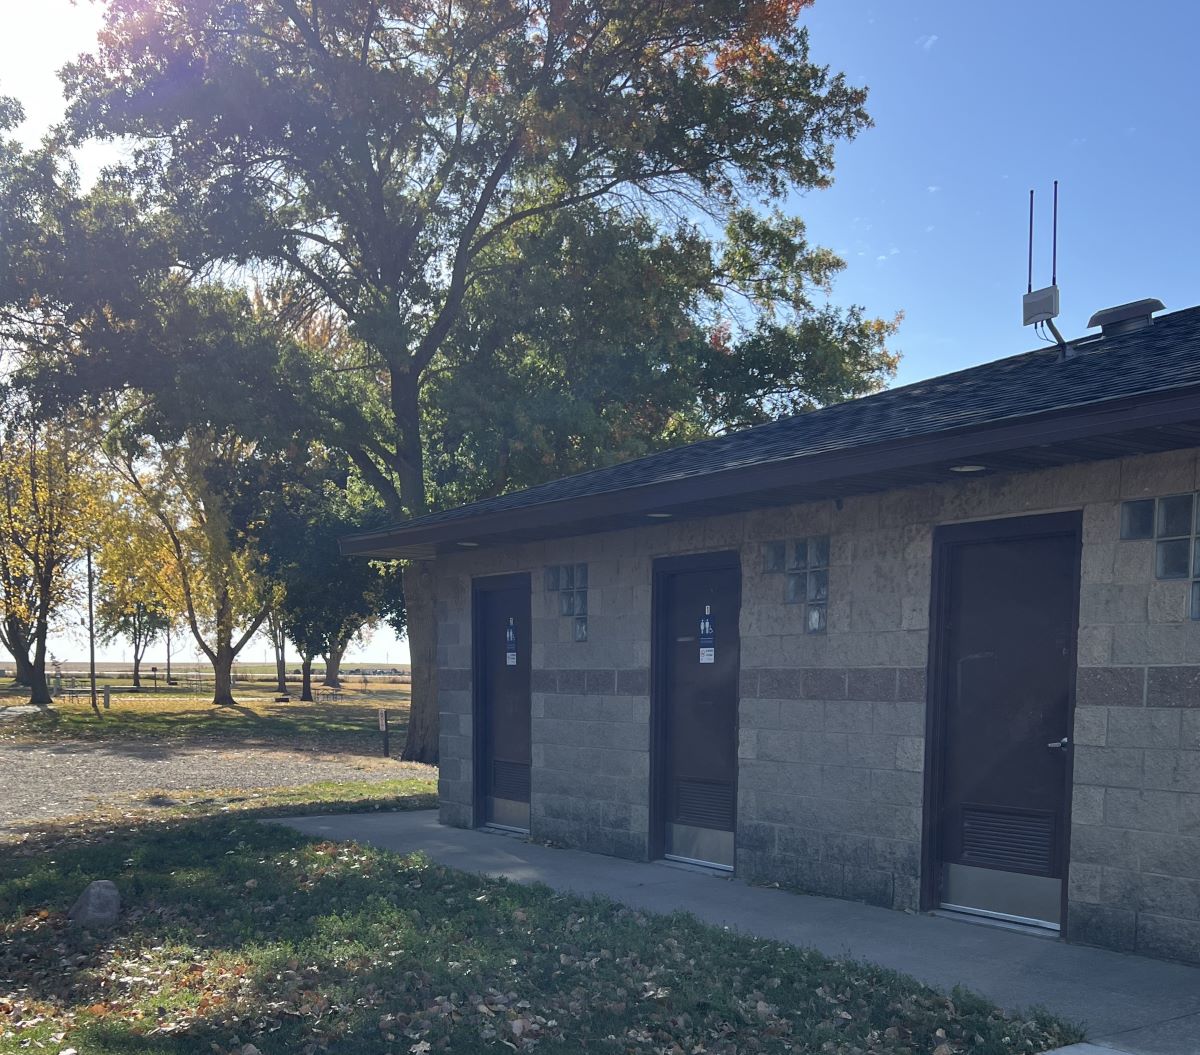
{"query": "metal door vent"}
pixel 704 804
pixel 1014 840
pixel 510 780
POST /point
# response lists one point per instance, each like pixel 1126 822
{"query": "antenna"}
pixel 1054 241
pixel 1041 305
pixel 1030 288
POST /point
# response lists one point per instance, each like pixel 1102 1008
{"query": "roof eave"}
pixel 420 541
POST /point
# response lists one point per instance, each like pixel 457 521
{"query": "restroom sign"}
pixel 510 643
pixel 708 639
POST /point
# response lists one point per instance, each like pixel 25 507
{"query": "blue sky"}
pixel 974 104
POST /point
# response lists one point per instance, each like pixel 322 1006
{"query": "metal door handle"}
pixel 1060 745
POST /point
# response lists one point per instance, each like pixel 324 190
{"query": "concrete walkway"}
pixel 1126 1003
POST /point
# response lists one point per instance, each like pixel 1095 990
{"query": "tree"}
pixel 138 597
pixel 585 345
pixel 194 487
pixel 277 635
pixel 139 623
pixel 50 498
pixel 326 599
pixel 372 154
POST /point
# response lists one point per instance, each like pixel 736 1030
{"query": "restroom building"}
pixel 935 649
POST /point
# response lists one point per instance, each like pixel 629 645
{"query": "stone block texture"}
pixel 1135 840
pixel 832 726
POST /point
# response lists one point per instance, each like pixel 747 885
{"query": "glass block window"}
pixel 1137 519
pixel 1174 531
pixel 796 591
pixel 799 554
pixel 1173 558
pixel 807 580
pixel 1173 522
pixel 818 587
pixel 774 556
pixel 1174 518
pixel 570 582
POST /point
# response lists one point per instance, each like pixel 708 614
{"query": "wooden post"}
pixel 383 728
pixel 91 634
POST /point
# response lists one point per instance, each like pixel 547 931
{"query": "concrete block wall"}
pixel 832 726
pixel 590 700
pixel 1135 847
pixel 455 702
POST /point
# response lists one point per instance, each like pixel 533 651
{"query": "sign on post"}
pixel 383 728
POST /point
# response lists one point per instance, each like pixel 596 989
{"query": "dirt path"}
pixel 39 782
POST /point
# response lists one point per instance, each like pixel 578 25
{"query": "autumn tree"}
pixel 50 497
pixel 138 597
pixel 371 154
pixel 91 290
pixel 194 488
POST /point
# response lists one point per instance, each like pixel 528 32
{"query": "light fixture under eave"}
pixel 968 468
pixel 469 545
pixel 659 516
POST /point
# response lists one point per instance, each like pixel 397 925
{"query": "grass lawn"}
pixel 240 937
pixel 346 725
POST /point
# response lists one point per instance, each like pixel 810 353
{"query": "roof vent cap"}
pixel 1125 318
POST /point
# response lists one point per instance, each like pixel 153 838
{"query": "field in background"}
pixel 345 722
pixel 74 674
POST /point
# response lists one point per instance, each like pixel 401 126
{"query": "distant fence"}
pixel 191 682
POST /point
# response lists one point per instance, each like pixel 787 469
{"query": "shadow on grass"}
pixel 155 732
pixel 238 932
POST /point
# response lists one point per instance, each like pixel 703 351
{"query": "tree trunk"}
pixel 279 644
pixel 17 641
pixel 223 677
pixel 306 695
pixel 333 666
pixel 420 601
pixel 137 664
pixel 23 669
pixel 421 744
pixel 39 690
pixel 281 672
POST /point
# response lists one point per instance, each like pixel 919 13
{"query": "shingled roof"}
pixel 1156 365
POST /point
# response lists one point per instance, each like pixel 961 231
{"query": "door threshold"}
pixel 691 864
pixel 1016 924
pixel 505 830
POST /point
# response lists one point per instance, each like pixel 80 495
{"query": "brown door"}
pixel 502 717
pixel 696 610
pixel 1005 624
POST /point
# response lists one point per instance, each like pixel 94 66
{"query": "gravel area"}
pixel 44 782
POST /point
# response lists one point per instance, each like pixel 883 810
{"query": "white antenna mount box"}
pixel 1040 305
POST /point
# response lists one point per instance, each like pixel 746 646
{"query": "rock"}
pixel 98 906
